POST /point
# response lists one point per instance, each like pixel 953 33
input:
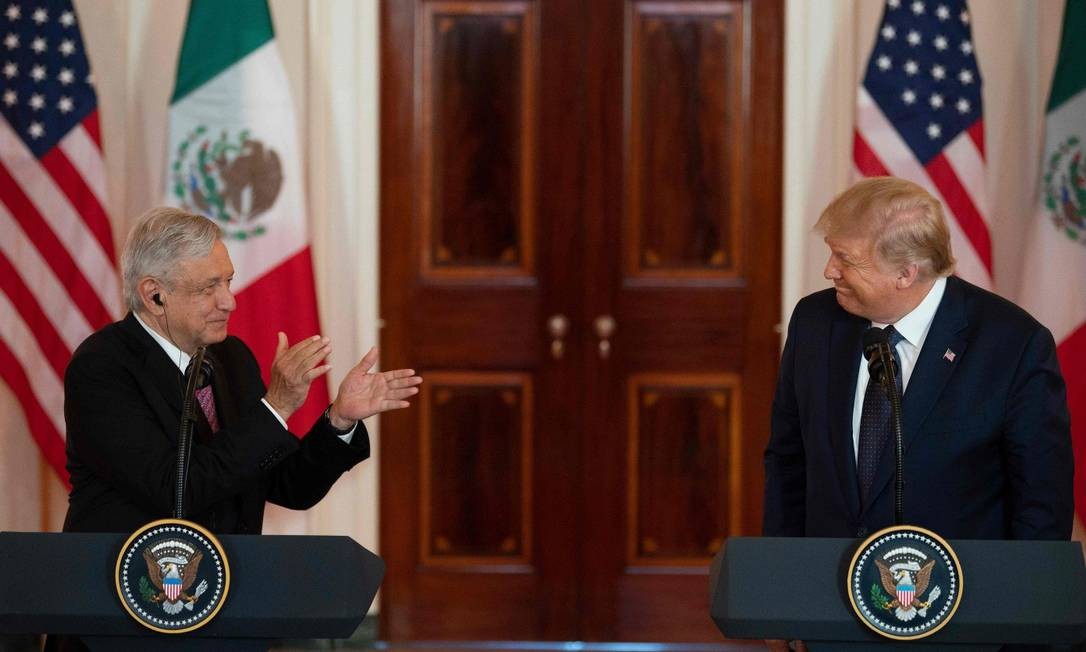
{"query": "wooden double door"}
pixel 580 252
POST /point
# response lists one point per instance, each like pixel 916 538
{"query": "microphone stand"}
pixel 888 377
pixel 184 435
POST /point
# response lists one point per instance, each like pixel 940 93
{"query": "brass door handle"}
pixel 558 327
pixel 605 327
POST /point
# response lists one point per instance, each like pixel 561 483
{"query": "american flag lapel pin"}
pixel 949 355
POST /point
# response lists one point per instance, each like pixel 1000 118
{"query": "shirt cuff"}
pixel 272 410
pixel 349 435
pixel 345 436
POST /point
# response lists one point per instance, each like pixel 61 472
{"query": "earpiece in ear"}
pixel 157 298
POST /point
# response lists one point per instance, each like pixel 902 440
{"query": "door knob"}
pixel 605 328
pixel 557 326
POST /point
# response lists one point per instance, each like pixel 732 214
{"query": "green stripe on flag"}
pixel 218 35
pixel 1070 77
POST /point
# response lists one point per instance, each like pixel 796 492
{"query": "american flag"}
pixel 58 279
pixel 919 117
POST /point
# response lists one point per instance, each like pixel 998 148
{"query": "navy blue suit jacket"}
pixel 987 434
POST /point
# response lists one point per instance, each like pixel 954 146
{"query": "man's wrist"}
pixel 341 426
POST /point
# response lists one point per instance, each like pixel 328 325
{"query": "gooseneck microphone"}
pixel 884 369
pixel 198 375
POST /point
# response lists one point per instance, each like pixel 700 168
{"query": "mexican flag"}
pixel 234 157
pixel 1051 285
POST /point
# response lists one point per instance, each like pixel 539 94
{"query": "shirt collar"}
pixel 176 355
pixel 915 325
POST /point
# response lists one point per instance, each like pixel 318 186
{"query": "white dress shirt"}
pixel 914 329
pixel 182 360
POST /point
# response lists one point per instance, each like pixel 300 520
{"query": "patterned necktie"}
pixel 875 422
pixel 207 402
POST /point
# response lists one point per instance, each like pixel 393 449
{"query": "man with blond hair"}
pixel 986 428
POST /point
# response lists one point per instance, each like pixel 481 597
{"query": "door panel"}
pixel 580 227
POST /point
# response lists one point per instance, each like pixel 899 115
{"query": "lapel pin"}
pixel 949 355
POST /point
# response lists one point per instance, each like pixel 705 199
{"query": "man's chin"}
pixel 846 302
pixel 215 334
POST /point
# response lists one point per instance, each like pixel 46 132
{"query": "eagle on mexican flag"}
pixel 233 156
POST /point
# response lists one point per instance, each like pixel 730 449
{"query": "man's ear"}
pixel 149 288
pixel 907 276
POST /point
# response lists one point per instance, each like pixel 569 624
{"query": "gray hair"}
pixel 162 238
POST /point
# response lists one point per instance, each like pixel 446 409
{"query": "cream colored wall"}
pixel 331 50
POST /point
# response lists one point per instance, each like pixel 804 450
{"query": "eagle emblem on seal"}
pixel 907 582
pixel 173 576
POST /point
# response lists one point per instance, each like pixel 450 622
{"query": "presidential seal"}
pixel 904 582
pixel 172 576
pixel 232 179
pixel 1065 189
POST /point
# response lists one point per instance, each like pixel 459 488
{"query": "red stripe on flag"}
pixel 976 132
pixel 1072 355
pixel 81 197
pixel 90 123
pixel 26 304
pixel 284 299
pixel 962 207
pixel 867 162
pixel 41 427
pixel 65 269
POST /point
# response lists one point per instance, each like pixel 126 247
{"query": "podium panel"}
pixel 1021 592
pixel 281 587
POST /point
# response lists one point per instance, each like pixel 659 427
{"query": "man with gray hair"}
pixel 986 427
pixel 123 398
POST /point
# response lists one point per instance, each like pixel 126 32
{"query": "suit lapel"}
pixel 930 375
pixel 845 351
pixel 164 373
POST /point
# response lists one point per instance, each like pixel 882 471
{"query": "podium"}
pixel 280 587
pixel 1014 592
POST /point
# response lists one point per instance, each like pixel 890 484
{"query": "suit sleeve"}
pixel 304 477
pixel 114 431
pixel 785 461
pixel 1037 445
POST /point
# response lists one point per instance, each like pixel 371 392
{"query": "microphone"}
pixel 205 371
pixel 877 351
pixel 883 366
pixel 198 376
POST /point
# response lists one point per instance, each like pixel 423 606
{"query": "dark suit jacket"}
pixel 987 434
pixel 122 407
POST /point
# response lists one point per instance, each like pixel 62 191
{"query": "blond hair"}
pixel 902 220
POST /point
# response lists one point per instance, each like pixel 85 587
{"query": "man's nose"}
pixel 831 273
pixel 227 301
